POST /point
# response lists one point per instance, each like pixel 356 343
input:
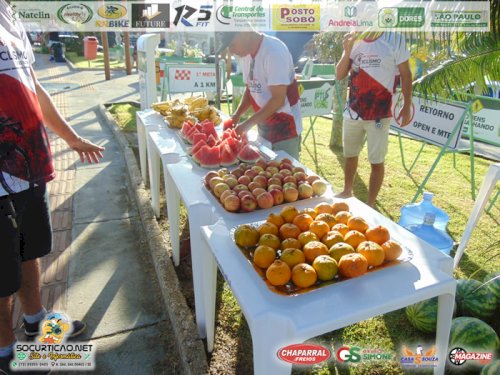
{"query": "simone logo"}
pixel 304 354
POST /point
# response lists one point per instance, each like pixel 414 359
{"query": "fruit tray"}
pixel 312 193
pixel 290 289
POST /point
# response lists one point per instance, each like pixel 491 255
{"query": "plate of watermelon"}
pixel 209 150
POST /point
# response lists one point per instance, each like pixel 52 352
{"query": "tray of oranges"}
pixel 300 251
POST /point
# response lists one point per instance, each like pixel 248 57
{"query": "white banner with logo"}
pixel 266 15
pixel 486 118
pixel 190 78
pixel 316 97
pixel 432 121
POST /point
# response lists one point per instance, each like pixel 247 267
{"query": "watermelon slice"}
pixel 198 155
pixel 198 137
pixel 209 129
pixel 227 156
pixel 228 124
pixel 248 154
pixel 210 158
pixel 212 141
pixel 233 143
pixel 199 127
pixel 187 128
pixel 190 137
pixel 198 146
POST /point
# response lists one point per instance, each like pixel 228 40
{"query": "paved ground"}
pixel 99 270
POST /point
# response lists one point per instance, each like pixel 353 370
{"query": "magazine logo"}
pixel 304 354
pixel 151 16
pixel 185 13
pixel 112 11
pixel 420 358
pixel 75 13
pixel 459 356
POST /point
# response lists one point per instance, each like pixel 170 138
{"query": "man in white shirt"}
pixel 374 62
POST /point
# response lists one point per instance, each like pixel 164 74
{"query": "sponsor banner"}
pixel 421 357
pixel 355 354
pixel 190 78
pixel 291 17
pixel 431 121
pixel 264 15
pixel 459 357
pixel 316 97
pixel 304 354
pixel 485 113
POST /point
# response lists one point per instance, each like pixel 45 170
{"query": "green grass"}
pixel 82 63
pixel 452 189
pixel 124 115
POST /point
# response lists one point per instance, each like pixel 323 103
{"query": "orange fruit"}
pixel 314 249
pixel 246 236
pixel 290 243
pixel 304 275
pixel 331 238
pixel 302 221
pixel 319 228
pixel 378 234
pixel 342 228
pixel 357 223
pixel 264 256
pixel 343 217
pixel 306 237
pixel 392 250
pixel 267 227
pixel 288 213
pixel 326 267
pixel 353 265
pixel 327 218
pixel 339 206
pixel 275 219
pixel 270 240
pixel 292 257
pixel 278 273
pixel 289 230
pixel 310 212
pixel 323 207
pixel 340 249
pixel 354 238
pixel 372 251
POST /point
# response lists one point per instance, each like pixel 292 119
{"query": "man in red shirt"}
pixel 25 168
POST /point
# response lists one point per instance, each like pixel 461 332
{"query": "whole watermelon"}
pixel 473 334
pixel 474 299
pixel 423 315
pixel 491 369
pixel 492 281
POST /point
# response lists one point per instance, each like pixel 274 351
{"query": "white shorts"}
pixel 353 138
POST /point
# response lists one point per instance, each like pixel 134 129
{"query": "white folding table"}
pixel 276 320
pixel 184 180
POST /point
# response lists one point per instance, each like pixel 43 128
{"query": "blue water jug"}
pixel 432 235
pixel 414 213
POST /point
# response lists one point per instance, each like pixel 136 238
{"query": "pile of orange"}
pixel 314 245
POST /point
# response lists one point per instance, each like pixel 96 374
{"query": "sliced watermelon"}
pixel 248 154
pixel 227 156
pixel 190 137
pixel 198 146
pixel 209 128
pixel 226 134
pixel 199 154
pixel 210 158
pixel 198 137
pixel 199 127
pixel 212 141
pixel 187 128
pixel 233 143
pixel 228 124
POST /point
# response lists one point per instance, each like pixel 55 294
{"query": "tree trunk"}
pixel 338 109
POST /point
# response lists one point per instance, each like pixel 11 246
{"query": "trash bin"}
pixel 90 47
pixel 58 52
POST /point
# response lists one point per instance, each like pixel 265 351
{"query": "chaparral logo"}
pixel 459 356
pixel 112 11
pixel 304 354
pixel 75 13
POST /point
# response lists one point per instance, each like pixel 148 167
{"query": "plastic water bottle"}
pixel 432 235
pixel 414 213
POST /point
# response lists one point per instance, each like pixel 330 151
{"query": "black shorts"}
pixel 31 239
